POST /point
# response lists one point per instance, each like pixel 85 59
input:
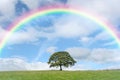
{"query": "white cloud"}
pixel 105 55
pixel 12 64
pixel 111 43
pixel 51 50
pixel 7 6
pixel 87 41
pixel 30 35
pixel 104 35
pixel 40 3
pixel 38 66
pixel 32 4
pixel 107 9
pixel 78 53
pixel 113 67
pixel 99 55
pixel 16 64
pixel 70 26
pixel 82 67
pixel 7 9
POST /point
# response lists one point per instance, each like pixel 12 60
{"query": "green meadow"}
pixel 61 75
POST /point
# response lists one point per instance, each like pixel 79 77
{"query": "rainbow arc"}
pixel 39 13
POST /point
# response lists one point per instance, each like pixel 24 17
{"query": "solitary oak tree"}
pixel 59 59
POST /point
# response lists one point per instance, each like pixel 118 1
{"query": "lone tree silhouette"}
pixel 62 58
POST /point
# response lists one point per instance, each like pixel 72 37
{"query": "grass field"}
pixel 61 75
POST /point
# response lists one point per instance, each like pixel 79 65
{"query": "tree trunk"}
pixel 60 67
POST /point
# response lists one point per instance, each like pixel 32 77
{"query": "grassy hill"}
pixel 61 75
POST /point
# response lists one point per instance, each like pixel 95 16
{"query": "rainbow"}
pixel 38 13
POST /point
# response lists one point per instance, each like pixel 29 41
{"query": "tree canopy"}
pixel 61 58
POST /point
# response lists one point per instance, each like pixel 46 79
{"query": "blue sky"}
pixel 86 41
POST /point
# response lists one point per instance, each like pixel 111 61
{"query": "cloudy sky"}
pixel 30 47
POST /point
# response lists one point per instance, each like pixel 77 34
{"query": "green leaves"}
pixel 61 58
